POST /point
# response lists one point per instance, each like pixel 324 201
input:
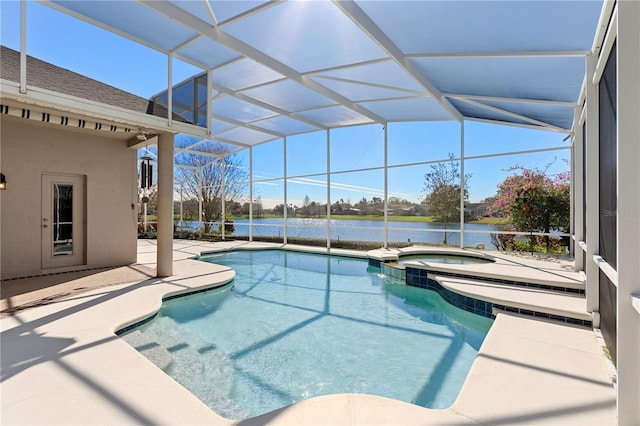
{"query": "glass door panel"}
pixel 62 219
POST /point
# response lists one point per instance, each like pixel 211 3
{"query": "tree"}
pixel 258 209
pixel 203 179
pixel 189 209
pixel 362 205
pixel 489 201
pixel 234 207
pixel 278 209
pixel 534 201
pixel 442 185
pixel 338 207
pixel 399 201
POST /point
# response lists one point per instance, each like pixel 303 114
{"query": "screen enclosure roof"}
pixel 280 68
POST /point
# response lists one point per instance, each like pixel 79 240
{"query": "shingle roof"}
pixel 57 79
pixel 51 77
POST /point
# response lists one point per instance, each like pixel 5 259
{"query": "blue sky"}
pixel 70 43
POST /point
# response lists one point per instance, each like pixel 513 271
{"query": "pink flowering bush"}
pixel 534 202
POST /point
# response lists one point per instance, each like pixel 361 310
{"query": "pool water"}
pixel 292 326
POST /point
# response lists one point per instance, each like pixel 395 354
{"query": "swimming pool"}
pixel 292 326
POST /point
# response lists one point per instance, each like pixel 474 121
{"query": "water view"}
pixel 360 230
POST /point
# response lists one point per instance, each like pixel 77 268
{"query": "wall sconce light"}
pixel 3 182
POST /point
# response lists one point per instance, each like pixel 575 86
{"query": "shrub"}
pixel 229 227
pixel 548 245
pixel 503 241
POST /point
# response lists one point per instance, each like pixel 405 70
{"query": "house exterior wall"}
pixel 30 149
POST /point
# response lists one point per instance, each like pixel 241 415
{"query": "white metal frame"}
pixel 618 22
pixel 628 232
pixel 384 192
pixel 353 11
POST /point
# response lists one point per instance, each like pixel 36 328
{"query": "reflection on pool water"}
pixel 293 326
pixel 452 259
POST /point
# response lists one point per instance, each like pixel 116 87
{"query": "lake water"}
pixel 360 230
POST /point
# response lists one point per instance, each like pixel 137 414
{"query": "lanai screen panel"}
pixel 459 27
pixel 285 68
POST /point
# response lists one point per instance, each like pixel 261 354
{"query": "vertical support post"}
pixel 628 209
pixel 170 89
pixel 23 46
pixel 593 187
pixel 284 212
pixel 181 211
pixel 572 194
pixel 462 184
pixel 165 206
pixel 223 195
pixel 209 102
pixel 328 189
pixel 386 187
pixel 250 193
pixel 200 197
pixel 578 186
pixel 173 191
pixel 194 97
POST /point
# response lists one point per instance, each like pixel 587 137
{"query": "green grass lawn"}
pixel 491 221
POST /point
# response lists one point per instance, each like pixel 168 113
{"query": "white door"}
pixel 62 222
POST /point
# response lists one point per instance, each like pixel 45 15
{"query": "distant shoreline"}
pixel 419 219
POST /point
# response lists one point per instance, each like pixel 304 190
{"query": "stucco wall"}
pixel 30 149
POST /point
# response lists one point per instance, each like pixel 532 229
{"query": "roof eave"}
pixel 56 101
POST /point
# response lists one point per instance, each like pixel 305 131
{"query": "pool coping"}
pixel 500 269
pixel 62 364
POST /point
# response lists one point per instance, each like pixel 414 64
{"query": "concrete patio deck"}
pixel 62 363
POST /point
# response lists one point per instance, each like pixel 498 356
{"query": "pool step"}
pixel 557 281
pixel 148 347
pixel 180 353
pixel 394 270
pixel 564 307
pixel 500 274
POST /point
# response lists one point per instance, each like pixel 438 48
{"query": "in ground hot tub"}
pixel 395 264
